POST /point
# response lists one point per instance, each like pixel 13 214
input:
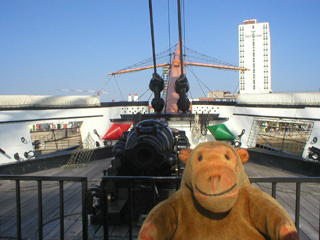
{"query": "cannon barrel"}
pixel 149 149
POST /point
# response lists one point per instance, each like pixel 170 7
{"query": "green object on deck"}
pixel 221 132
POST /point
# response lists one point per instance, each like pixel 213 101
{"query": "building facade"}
pixel 254 54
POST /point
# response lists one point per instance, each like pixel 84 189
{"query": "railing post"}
pixel 104 209
pixel 85 233
pixel 274 190
pixel 61 210
pixel 130 209
pixel 40 220
pixel 18 204
pixel 297 215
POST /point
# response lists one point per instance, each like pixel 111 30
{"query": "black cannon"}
pixel 149 149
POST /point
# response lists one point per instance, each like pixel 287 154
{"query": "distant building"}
pixel 255 54
pixel 220 96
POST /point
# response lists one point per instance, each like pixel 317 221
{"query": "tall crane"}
pixel 95 92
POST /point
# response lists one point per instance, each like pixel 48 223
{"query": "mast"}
pixel 175 72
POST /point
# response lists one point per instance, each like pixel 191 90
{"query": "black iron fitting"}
pixel 182 87
pixel 156 85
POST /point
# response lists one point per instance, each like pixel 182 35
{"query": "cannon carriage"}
pixel 149 149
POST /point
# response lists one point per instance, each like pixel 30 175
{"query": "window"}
pixel 242 86
pixel 266 82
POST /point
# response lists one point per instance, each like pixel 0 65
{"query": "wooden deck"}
pixel 309 216
pixel 310 198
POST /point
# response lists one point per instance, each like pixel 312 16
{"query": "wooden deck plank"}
pixel 120 231
pixel 97 231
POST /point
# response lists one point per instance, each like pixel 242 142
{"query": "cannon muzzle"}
pixel 150 148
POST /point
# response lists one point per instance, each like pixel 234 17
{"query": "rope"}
pixel 150 97
pixel 106 83
pixel 169 30
pixel 236 89
pixel 118 87
pixel 184 26
pixel 144 94
pixel 180 35
pixel 152 37
pixel 148 60
pixel 208 57
pixel 199 81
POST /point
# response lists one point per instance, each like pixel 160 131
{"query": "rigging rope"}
pixel 199 81
pixel 156 84
pixel 169 52
pixel 149 59
pixel 180 35
pixel 149 97
pixel 236 89
pixel 118 87
pixel 143 95
pixel 184 26
pixel 152 37
pixel 106 83
pixel 169 34
pixel 190 92
pixel 181 85
pixel 208 57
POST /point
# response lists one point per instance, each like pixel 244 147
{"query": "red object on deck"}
pixel 116 130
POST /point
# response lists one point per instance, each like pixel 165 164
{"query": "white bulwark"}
pixel 255 54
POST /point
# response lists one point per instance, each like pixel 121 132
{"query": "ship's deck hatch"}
pixel 285 135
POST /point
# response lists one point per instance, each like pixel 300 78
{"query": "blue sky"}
pixel 54 44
